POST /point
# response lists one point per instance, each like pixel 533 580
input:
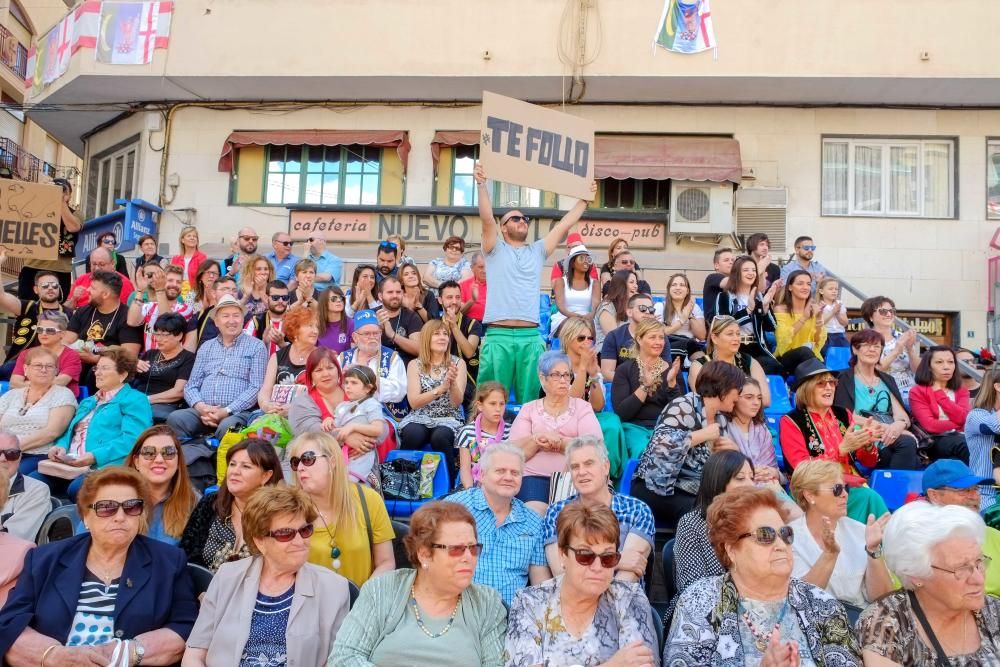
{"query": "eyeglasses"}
pixel 826 383
pixel 279 297
pixel 518 218
pixel 148 452
pixel 649 310
pixel 288 534
pixel 287 244
pixel 161 332
pixel 456 550
pixel 885 312
pixel 249 238
pixel 838 490
pixel 581 338
pixel 387 245
pixel 765 535
pixel 809 248
pixel 10 454
pixel 108 508
pixel 963 573
pixel 307 459
pixel 560 376
pixel 586 557
pixel 48 285
pixel 47 368
pixel 211 273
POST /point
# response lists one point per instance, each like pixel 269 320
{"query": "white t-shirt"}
pixel 36 417
pixel 696 314
pixel 833 325
pixel 848 578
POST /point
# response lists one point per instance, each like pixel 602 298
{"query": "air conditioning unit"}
pixel 701 207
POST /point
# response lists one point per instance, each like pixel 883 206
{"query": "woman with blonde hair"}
pixel 189 258
pixel 353 534
pixel 724 340
pixel 435 388
pixel 254 282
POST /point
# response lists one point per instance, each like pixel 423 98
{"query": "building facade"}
pixel 877 133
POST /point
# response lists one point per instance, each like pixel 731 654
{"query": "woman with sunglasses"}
pixel 49 329
pixel 820 429
pixel 742 301
pixel 335 326
pixel 941 616
pixel 643 386
pixel 256 609
pixel 757 613
pixel 214 533
pixel 724 343
pixel 586 616
pixel 353 533
pixel 105 592
pixel 576 292
pixel 867 391
pixel 432 614
pixel 109 242
pixel 361 295
pixel 832 550
pixel 901 354
pixel 453 266
pixel 158 457
pixel 38 412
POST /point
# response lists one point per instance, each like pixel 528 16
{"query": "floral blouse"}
pixel 536 634
pixel 670 460
pixel 888 627
pixel 706 629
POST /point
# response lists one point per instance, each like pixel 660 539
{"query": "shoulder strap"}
pixel 368 520
pixel 942 657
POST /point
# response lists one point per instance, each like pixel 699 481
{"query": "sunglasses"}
pixel 250 238
pixel 810 248
pixel 456 550
pixel 336 298
pixel 48 285
pixel 518 218
pixel 288 534
pixel 287 244
pixel 886 311
pixel 279 297
pixel 585 557
pixel 109 242
pixel 581 338
pixel 169 453
pixel 765 535
pixel 388 245
pixel 838 490
pixel 312 239
pixel 649 310
pixel 107 508
pixel 826 383
pixel 307 459
pixel 48 330
pixel 10 454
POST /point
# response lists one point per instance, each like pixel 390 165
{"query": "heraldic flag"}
pixel 686 26
pixel 128 32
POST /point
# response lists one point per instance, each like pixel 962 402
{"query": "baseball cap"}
pixel 574 239
pixel 364 318
pixel 229 301
pixel 951 473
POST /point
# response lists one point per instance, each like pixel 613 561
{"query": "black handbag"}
pixel 400 479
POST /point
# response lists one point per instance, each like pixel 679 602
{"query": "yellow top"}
pixel 352 539
pixel 991 548
pixel 807 336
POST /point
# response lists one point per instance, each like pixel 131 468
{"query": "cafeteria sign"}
pixel 30 216
pixel 536 147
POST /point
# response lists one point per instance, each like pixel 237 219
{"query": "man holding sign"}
pixel 513 343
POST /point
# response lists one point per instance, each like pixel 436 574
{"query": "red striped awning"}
pixel 668 157
pixel 397 139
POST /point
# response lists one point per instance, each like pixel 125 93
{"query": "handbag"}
pixel 61 470
pixel 400 479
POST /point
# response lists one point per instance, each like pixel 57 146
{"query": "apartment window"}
pixel 116 178
pixel 993 179
pixel 889 177
pixel 635 194
pixel 323 175
pixel 465 193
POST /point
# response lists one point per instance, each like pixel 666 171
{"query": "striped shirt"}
pixel 94 621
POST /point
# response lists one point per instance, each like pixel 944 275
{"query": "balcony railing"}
pixel 13 54
pixel 20 164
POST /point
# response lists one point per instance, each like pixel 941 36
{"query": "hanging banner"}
pixel 30 215
pixel 686 26
pixel 529 145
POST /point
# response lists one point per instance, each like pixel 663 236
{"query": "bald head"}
pixel 247 240
pixel 317 242
pixel 100 260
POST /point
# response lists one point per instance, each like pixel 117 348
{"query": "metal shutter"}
pixel 763 210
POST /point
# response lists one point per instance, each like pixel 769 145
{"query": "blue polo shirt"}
pixel 327 262
pixel 284 269
pixel 508 549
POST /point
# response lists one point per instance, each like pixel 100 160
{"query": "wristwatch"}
pixel 140 651
pixel 874 555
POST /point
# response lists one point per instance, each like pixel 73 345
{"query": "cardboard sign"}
pixel 536 147
pixel 30 217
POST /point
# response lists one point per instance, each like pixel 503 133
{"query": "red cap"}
pixel 574 239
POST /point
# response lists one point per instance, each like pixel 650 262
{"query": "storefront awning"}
pixel 451 138
pixel 661 158
pixel 382 138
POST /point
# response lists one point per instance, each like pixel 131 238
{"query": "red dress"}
pixel 795 448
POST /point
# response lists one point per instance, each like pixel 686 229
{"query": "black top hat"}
pixel 802 364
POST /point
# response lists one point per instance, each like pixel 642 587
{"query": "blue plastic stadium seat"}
pixel 837 358
pixel 5 386
pixel 607 398
pixel 404 508
pixel 659 299
pixel 625 485
pixel 700 301
pixel 895 485
pixel 84 392
pixel 544 314
pixel 781 402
